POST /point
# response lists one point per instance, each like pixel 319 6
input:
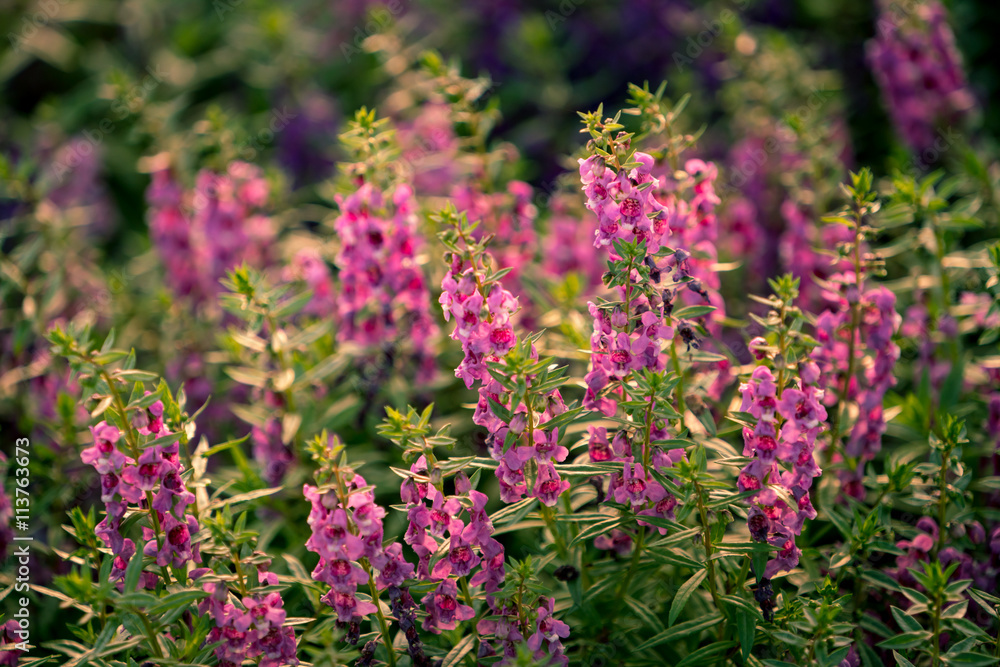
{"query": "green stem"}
pixel 680 384
pixel 942 499
pixel 936 625
pixel 549 516
pixel 581 552
pixel 150 633
pixel 239 572
pixel 383 625
pixel 633 564
pixel 707 542
pixel 133 443
pixel 855 322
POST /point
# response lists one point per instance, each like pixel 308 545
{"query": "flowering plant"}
pixel 705 397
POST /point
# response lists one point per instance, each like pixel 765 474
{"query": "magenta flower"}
pixel 393 569
pixel 548 485
pixel 550 630
pixel 261 615
pixel 633 487
pixel 444 611
pixel 460 561
pixel 664 504
pixel 103 454
pixel 618 541
pixel 147 472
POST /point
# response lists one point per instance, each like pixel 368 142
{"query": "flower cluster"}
pixel 402 606
pixel 519 439
pixel 782 466
pixel 624 209
pixel 129 481
pixel 628 337
pixel 482 325
pixel 626 212
pixel 255 631
pixel 690 197
pixel 635 486
pixel 6 511
pixel 11 634
pixel 435 520
pixel 871 318
pixel 383 293
pixel 203 233
pixel 919 69
pixel 346 527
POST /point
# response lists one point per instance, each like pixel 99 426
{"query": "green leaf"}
pixel 176 600
pixel 462 648
pixel 681 630
pixel 906 640
pixel 684 593
pixel 242 497
pixel 906 623
pixel 702 655
pixel 253 377
pixel 132 572
pixel 969 659
pixel 136 376
pixel 598 528
pixel 292 305
pixel 692 311
pixel 746 629
pixel 643 611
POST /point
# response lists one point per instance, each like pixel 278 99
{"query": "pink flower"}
pixel 262 614
pixel 147 471
pixel 633 487
pixel 548 485
pixel 444 611
pixel 176 548
pixel 460 561
pixel 103 454
pixel 548 629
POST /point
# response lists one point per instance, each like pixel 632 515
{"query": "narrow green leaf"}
pixel 684 593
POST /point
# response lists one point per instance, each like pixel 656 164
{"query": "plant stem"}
pixel 942 499
pixel 239 572
pixel 150 633
pixel 383 625
pixel 936 626
pixel 133 444
pixel 855 321
pixel 680 385
pixel 707 542
pixel 549 516
pixel 636 555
